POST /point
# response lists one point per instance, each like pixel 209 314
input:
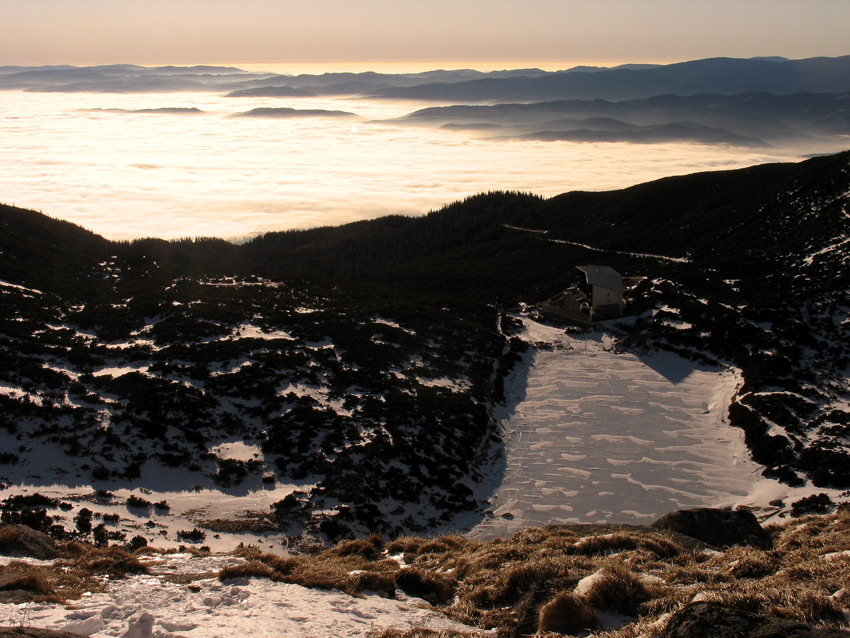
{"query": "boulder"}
pixel 20 540
pixel 718 527
pixel 713 620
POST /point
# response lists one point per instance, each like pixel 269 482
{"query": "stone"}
pixel 141 626
pixel 714 620
pixel 20 540
pixel 717 527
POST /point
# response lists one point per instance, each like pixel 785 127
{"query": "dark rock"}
pixel 718 527
pixel 20 540
pixel 713 620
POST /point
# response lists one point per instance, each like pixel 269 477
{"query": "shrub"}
pixel 100 473
pixel 194 535
pixel 100 535
pixel 83 520
pixel 135 501
pixel 814 504
pixel 35 518
pixel 137 542
pixel 26 501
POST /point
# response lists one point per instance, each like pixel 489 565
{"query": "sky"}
pixel 486 33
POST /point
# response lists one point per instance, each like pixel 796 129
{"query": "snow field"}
pixel 183 597
pixel 598 436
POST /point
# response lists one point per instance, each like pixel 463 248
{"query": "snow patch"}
pixel 155 605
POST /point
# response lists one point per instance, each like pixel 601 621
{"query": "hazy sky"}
pixel 152 32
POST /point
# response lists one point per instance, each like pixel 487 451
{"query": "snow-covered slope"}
pixel 182 597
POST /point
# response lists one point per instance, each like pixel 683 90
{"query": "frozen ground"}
pixel 183 597
pixel 593 435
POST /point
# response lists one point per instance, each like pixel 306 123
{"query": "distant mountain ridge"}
pixel 631 81
pixel 755 118
pixel 715 75
pixel 755 103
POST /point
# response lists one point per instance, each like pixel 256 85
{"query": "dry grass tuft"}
pixel 405 545
pixel 617 542
pixel 35 583
pixel 250 569
pixel 111 562
pixel 750 562
pixel 369 548
pixel 447 544
pixel 428 585
pixel 516 586
pixel 567 614
pixel 380 582
pixel 8 537
pixel 345 569
pixel 32 582
pixel 617 589
pixel 421 632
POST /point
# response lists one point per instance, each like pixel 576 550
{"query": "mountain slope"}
pixel 364 361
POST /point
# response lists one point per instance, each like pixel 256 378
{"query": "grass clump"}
pixel 616 589
pixel 567 614
pixel 558 580
pixel 8 537
pixel 32 581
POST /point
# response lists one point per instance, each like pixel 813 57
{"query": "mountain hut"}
pixel 604 289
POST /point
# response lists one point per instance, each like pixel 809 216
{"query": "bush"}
pixel 35 518
pixel 100 535
pixel 814 504
pixel 195 535
pixel 100 473
pixel 135 501
pixel 137 542
pixel 83 521
pixel 163 505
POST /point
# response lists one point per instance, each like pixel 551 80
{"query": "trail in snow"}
pixel 678 260
pixel 598 436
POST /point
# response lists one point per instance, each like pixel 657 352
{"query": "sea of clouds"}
pixel 99 161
